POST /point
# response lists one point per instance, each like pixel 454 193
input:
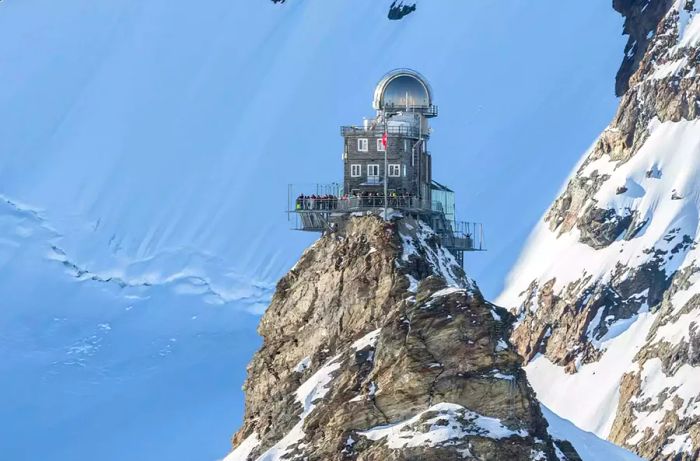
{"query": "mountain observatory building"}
pixel 388 169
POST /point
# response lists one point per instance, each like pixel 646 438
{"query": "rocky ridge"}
pixel 617 251
pixel 377 346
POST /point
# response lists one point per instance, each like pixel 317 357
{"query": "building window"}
pixel 373 171
pixel 362 144
pixel 380 145
pixel 355 170
pixel 394 170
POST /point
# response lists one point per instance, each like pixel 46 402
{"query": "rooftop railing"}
pixel 428 111
pixel 378 131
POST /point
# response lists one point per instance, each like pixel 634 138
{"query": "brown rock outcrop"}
pixel 377 347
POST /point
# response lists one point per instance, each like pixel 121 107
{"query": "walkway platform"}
pixel 317 213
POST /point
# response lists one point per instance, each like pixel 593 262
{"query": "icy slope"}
pixel 98 365
pixel 606 290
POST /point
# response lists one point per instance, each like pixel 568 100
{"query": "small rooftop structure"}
pixel 387 166
pixel 403 90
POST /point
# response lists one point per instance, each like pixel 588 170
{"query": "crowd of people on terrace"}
pixel 357 199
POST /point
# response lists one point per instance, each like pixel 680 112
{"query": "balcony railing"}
pixel 332 197
pixel 343 204
pixel 314 210
pixel 465 236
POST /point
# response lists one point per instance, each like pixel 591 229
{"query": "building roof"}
pixel 403 88
pixel 437 186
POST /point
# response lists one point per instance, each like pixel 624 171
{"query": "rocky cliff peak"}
pixel 377 346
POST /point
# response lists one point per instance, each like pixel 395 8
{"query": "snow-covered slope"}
pixel 607 289
pixel 587 444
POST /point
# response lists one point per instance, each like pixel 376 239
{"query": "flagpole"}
pixel 386 162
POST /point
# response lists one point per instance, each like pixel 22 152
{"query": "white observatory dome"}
pixel 404 89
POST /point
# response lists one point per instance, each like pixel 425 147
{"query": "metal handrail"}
pixel 464 234
pixel 359 203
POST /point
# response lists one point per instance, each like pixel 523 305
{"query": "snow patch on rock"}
pixel 440 424
pixel 368 340
pixel 244 450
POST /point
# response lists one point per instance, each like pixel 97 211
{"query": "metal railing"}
pixel 427 111
pixel 465 236
pixel 317 204
pixel 314 203
pixel 378 131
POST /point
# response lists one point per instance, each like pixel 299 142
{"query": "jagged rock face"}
pixel 616 253
pixel 641 19
pixel 377 347
pixel 675 364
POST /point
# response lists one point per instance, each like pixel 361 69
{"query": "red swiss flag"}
pixel 384 140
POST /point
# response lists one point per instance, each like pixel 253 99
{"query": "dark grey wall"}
pixel 399 152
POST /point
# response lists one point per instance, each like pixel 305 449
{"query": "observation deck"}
pixel 317 210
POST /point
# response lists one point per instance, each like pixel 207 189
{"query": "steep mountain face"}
pixel 607 289
pixel 377 346
pixel 641 19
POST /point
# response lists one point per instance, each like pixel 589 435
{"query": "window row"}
pixel 363 145
pixel 373 170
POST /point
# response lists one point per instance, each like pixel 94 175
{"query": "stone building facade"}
pixel 403 101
